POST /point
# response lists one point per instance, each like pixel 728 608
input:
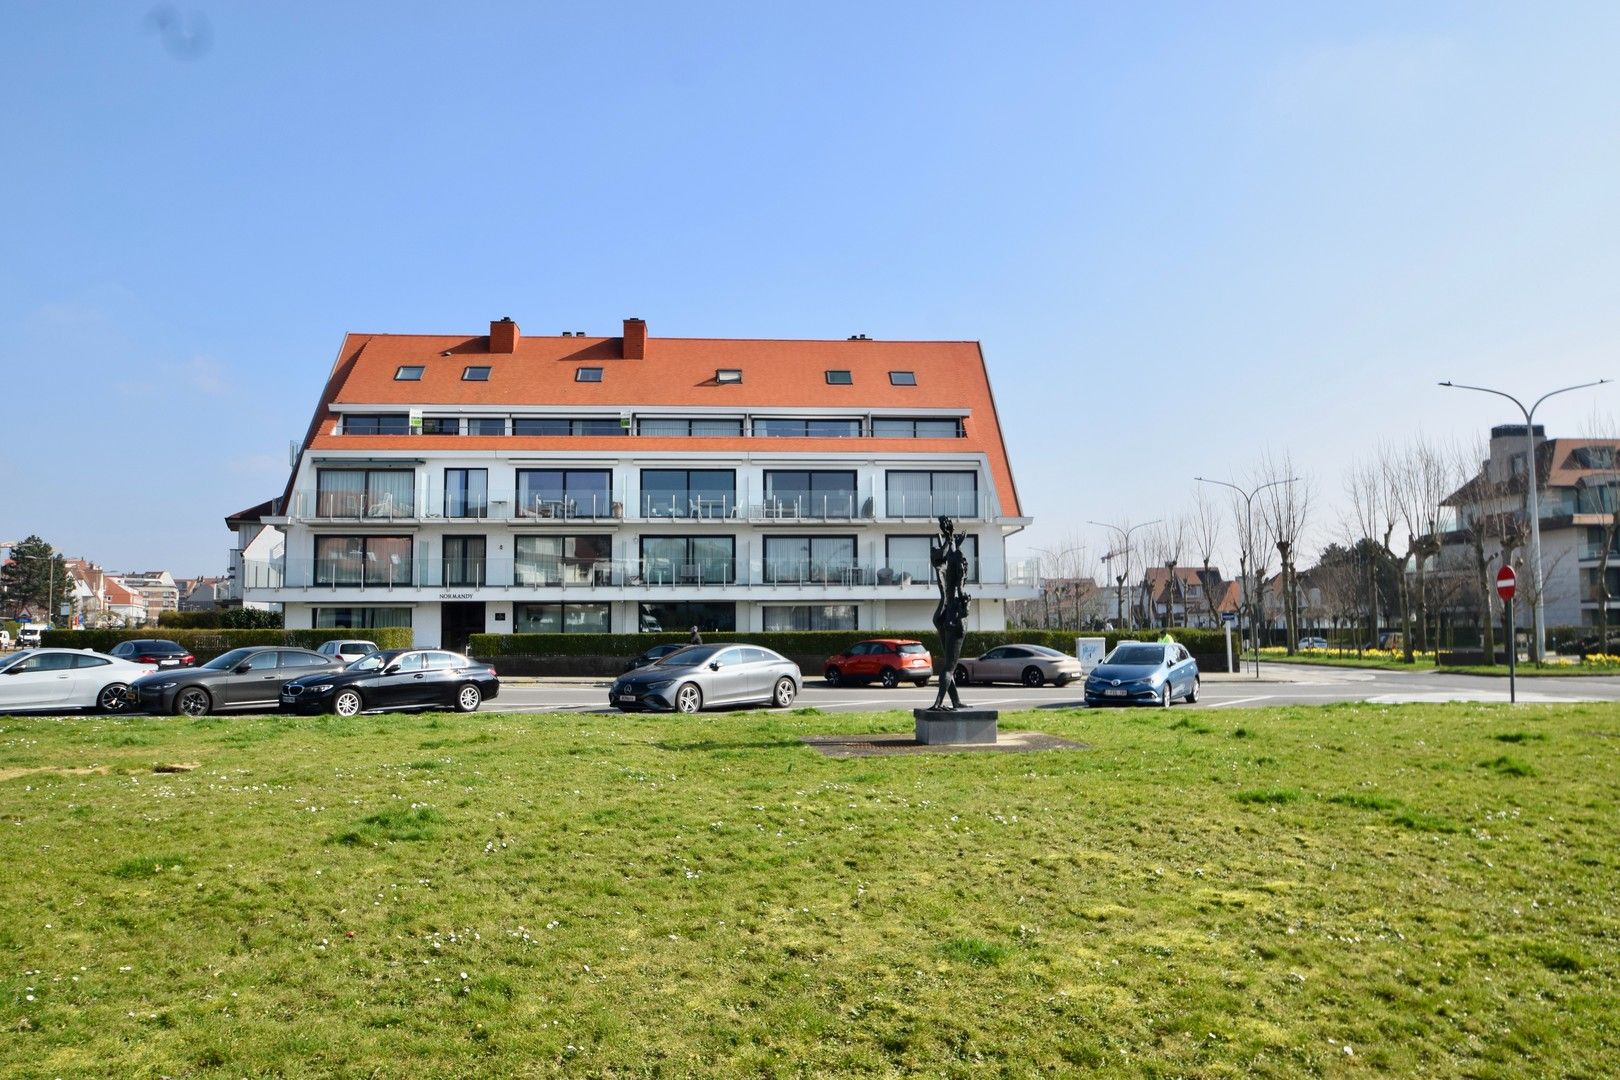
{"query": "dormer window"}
pixel 839 378
pixel 475 374
pixel 728 375
pixel 902 378
pixel 409 373
pixel 588 374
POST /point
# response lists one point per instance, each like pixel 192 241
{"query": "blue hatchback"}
pixel 1144 673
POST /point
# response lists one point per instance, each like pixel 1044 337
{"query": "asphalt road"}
pixel 1278 685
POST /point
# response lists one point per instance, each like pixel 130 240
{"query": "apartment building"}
pixel 512 483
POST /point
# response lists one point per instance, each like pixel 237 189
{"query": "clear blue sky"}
pixel 1183 232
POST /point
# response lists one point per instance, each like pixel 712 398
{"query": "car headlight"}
pixel 1156 678
pixel 321 689
pixel 165 686
pixel 661 684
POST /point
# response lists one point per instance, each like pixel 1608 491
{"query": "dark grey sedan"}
pixel 245 678
pixel 1144 673
pixel 700 675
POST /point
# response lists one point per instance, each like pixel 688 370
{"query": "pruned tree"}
pixel 1285 505
pixel 1164 547
pixel 1206 537
pixel 1371 522
pixel 1419 477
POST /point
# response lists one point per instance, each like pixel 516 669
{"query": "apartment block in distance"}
pixel 512 483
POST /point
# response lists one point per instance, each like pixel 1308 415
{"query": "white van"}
pixel 5 639
pixel 28 635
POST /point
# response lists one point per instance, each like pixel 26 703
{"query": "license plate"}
pixel 168 663
pixel 1114 693
pixel 627 697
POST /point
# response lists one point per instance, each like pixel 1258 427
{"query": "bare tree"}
pixel 1206 537
pixel 1284 506
pixel 1371 523
pixel 1164 547
pixel 1419 481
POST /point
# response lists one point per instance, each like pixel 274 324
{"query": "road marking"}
pixel 1239 701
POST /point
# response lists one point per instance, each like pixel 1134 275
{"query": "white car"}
pixel 346 650
pixel 67 679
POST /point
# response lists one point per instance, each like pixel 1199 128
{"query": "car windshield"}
pixel 17 658
pixel 690 656
pixel 226 661
pixel 1138 654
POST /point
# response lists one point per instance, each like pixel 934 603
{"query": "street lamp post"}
pixel 1124 549
pixel 1248 544
pixel 1537 650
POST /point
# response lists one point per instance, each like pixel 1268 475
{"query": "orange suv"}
pixel 888 660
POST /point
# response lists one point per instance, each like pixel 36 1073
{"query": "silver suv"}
pixel 347 650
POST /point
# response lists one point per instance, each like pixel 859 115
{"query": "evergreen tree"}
pixel 36 577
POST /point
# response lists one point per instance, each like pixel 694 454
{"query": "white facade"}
pixel 455 541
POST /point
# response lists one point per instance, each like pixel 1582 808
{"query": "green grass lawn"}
pixel 1426 663
pixel 1350 890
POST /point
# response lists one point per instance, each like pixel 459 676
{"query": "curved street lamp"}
pixel 1538 647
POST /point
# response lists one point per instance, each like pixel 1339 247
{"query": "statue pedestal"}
pixel 956 725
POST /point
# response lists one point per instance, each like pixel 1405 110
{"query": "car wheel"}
pixel 468 698
pixel 1164 695
pixel 1033 676
pixel 1061 681
pixel 193 701
pixel 961 676
pixel 785 693
pixel 1192 695
pixel 889 679
pixel 113 698
pixel 347 703
pixel 688 699
pixel 833 676
pixel 920 682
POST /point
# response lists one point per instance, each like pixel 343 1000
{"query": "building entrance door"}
pixel 458 621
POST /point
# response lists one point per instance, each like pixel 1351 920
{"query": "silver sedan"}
pixel 1032 665
pixel 699 675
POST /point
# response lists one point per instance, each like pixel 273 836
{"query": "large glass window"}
pixel 466 493
pixel 689 560
pixel 719 618
pixel 377 424
pixel 907 559
pixel 819 559
pixel 441 425
pixel 565 492
pixel 809 493
pixel 932 494
pixel 801 428
pixel 688 492
pixel 365 493
pixel 808 617
pixel 464 560
pixel 562 618
pixel 363 560
pixel 486 425
pixel 892 427
pixel 711 427
pixel 564 560
pixel 547 425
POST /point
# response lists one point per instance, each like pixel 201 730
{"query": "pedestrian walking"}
pixel 697 638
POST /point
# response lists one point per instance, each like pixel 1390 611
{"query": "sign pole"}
pixel 1513 655
pixel 1228 627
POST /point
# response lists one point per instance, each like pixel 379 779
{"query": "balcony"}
pixel 635 575
pixel 929 506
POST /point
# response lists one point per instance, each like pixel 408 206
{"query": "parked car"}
pixel 5 639
pixel 165 654
pixel 699 675
pixel 29 636
pixel 67 679
pixel 888 660
pixel 1032 665
pixel 245 678
pixel 395 679
pixel 1146 673
pixel 347 650
pixel 651 656
pixel 1308 643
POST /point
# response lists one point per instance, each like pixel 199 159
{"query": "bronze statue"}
pixel 950 617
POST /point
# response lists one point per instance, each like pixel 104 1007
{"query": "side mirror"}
pixel 242 668
pixel 390 669
pixel 714 665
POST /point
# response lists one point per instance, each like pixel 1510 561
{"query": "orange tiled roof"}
pixel 676 373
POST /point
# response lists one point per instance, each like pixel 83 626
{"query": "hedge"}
pixel 801 645
pixel 207 644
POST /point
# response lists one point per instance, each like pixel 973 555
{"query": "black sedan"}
pixel 651 656
pixel 165 654
pixel 395 679
pixel 245 678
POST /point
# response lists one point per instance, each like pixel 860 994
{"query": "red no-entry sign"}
pixel 1506 582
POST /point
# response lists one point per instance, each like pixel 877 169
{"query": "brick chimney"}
pixel 635 339
pixel 503 336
